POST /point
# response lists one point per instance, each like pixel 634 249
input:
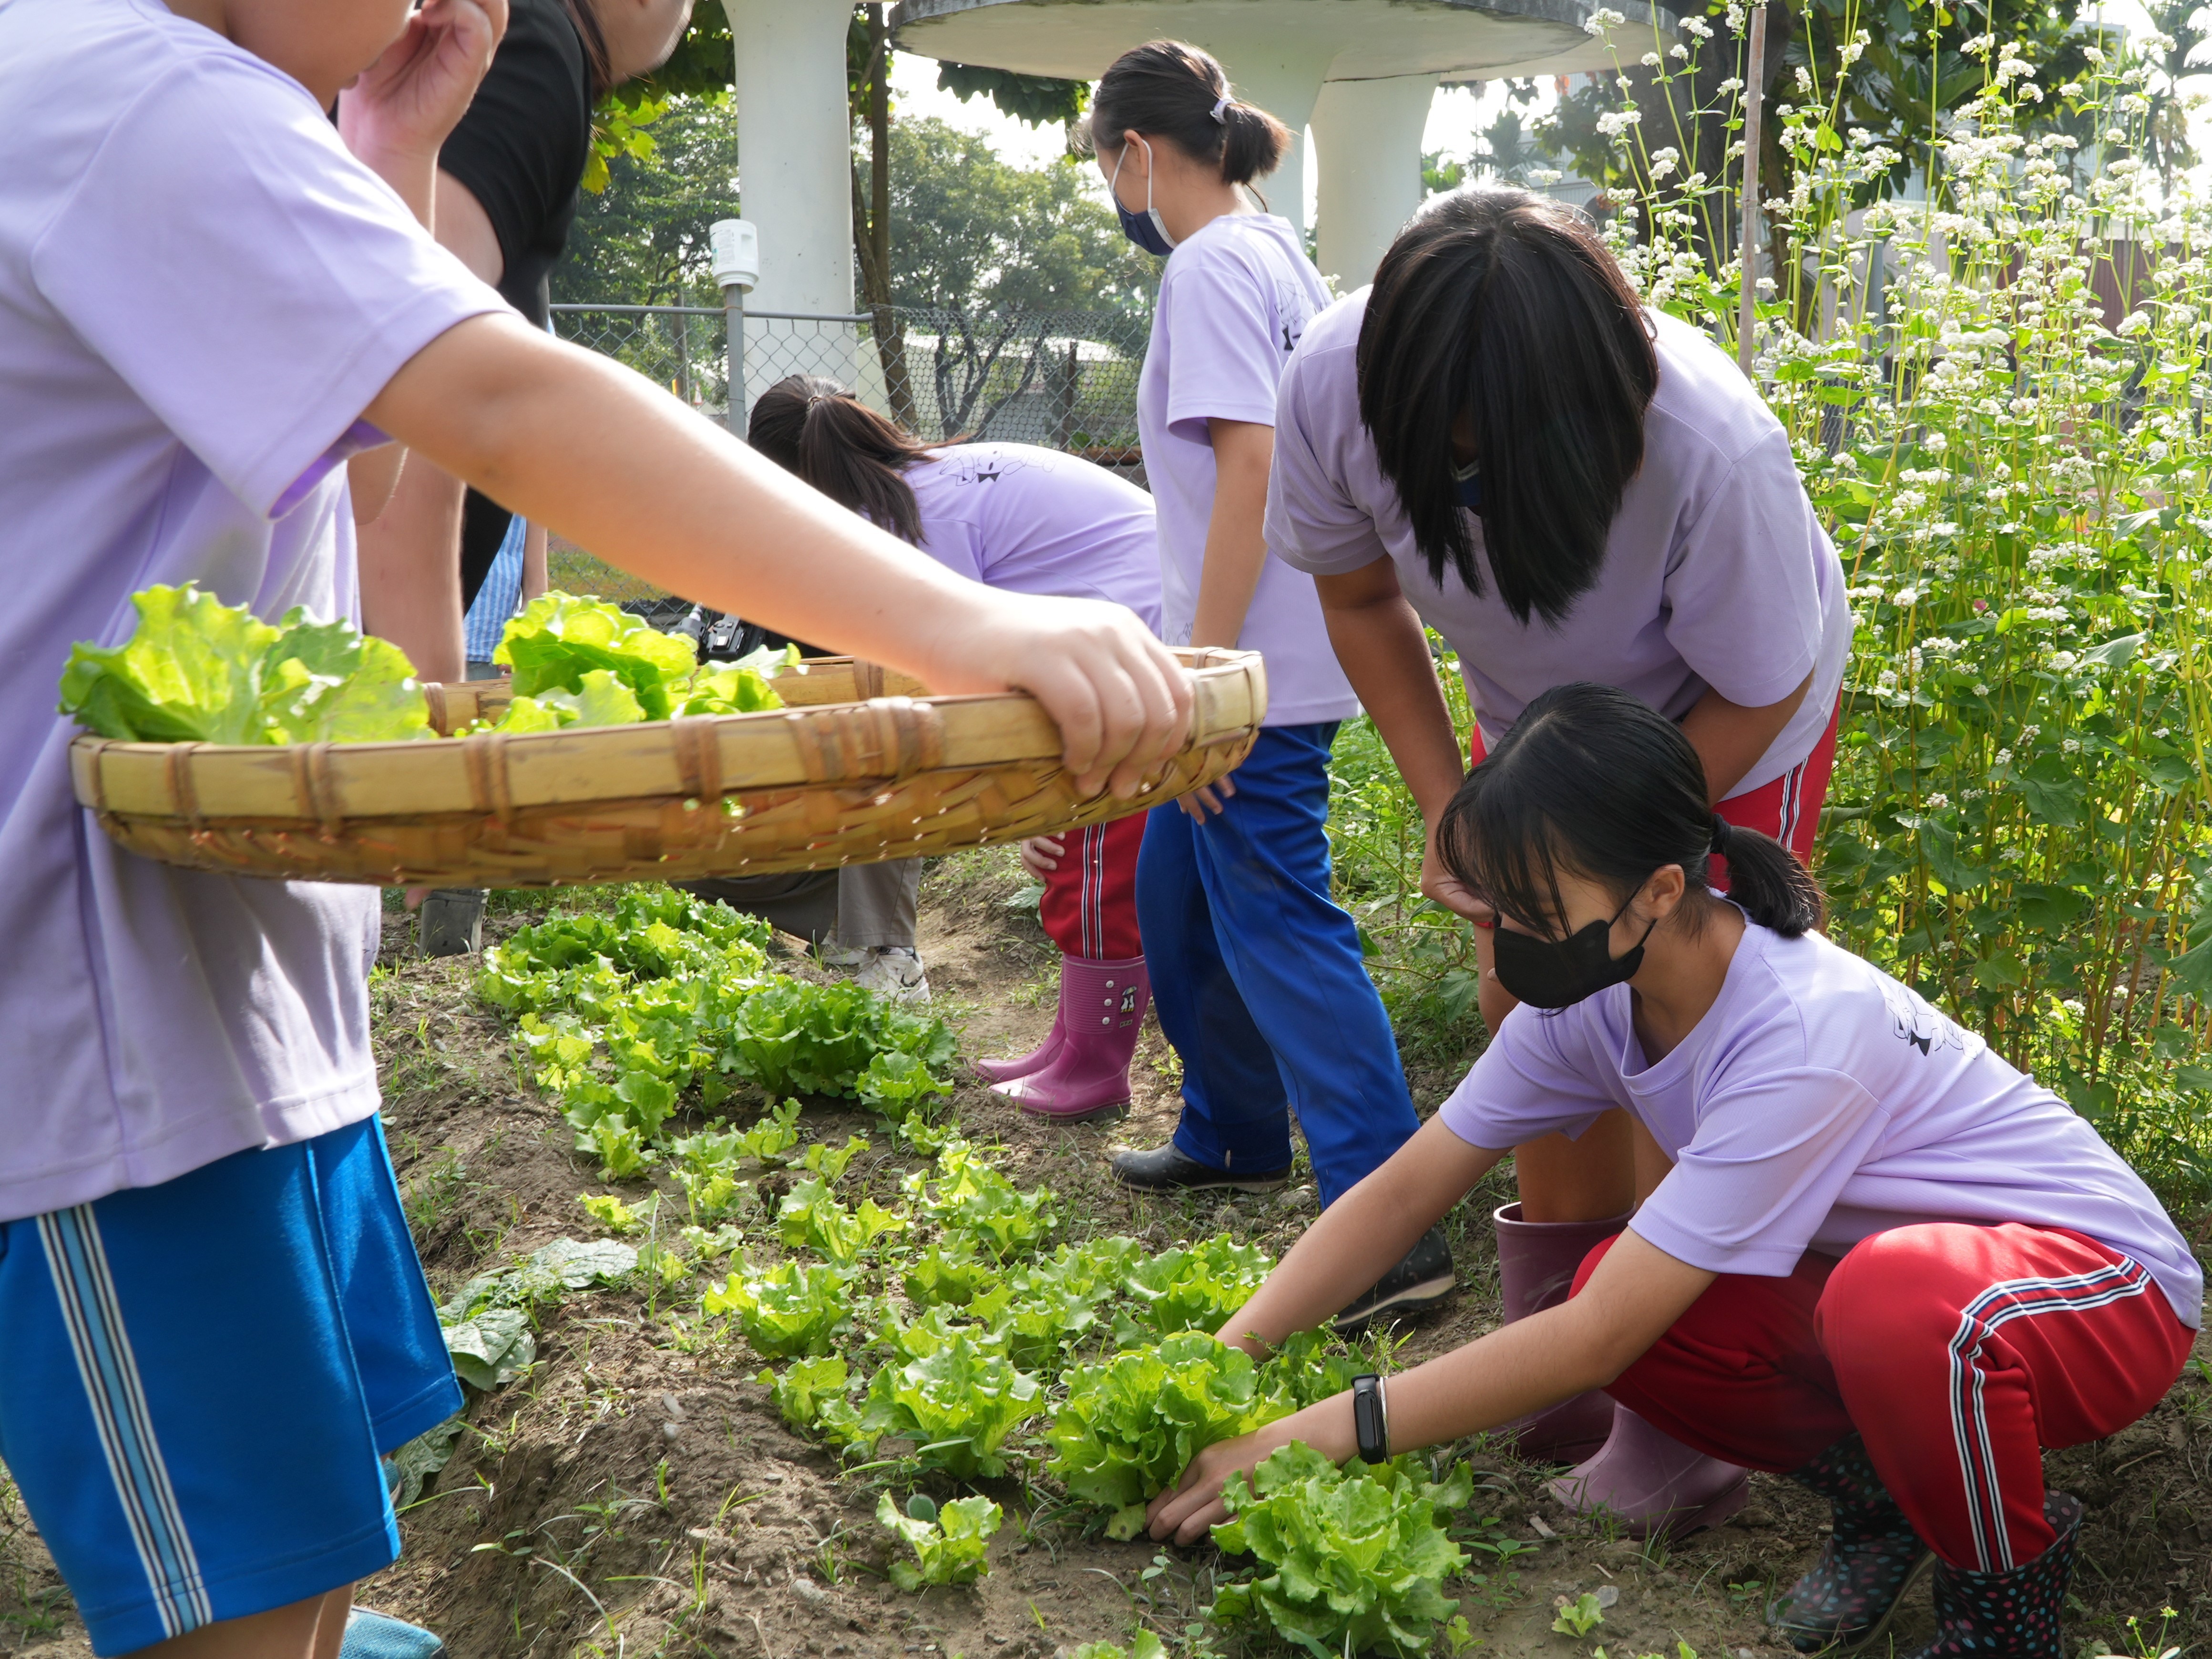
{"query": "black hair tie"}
pixel 1722 832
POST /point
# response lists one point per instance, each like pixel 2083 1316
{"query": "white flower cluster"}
pixel 1603 19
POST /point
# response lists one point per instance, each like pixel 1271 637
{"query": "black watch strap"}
pixel 1370 1418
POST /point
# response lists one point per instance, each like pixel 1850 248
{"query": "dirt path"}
pixel 636 1493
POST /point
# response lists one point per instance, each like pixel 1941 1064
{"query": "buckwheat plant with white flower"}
pixel 1997 398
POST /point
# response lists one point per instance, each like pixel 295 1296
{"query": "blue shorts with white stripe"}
pixel 197 1378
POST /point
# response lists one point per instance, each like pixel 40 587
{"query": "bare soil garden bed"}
pixel 637 1492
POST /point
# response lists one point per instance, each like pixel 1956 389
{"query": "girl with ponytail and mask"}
pixel 1885 1264
pixel 1498 441
pixel 1256 974
pixel 1026 520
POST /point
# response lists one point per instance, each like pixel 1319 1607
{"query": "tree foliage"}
pixel 1039 100
pixel 643 240
pixel 971 232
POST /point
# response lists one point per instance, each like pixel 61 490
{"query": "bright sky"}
pixel 1454 119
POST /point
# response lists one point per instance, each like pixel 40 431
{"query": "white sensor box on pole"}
pixel 736 251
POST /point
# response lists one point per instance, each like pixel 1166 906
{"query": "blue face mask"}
pixel 1146 230
pixel 1467 480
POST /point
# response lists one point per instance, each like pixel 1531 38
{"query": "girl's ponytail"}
pixel 819 430
pixel 1252 142
pixel 1173 90
pixel 1767 880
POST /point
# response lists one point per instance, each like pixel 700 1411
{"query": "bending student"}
pixel 1886 1264
pixel 1498 441
pixel 1026 520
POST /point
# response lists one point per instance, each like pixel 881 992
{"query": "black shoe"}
pixel 1423 1278
pixel 1164 1169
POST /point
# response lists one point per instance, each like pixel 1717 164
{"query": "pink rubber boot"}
pixel 1028 1064
pixel 1536 1264
pixel 1652 1483
pixel 1103 1003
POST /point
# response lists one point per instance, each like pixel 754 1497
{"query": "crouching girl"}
pixel 1886 1264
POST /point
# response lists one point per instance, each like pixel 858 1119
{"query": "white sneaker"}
pixel 834 955
pixel 894 971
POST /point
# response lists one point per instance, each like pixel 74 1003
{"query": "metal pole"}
pixel 733 317
pixel 1754 93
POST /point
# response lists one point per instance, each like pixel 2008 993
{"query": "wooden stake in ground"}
pixel 1755 95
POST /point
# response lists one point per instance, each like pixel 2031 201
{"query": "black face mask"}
pixel 1557 973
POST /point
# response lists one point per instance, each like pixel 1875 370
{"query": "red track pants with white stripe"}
pixel 1957 1353
pixel 1090 904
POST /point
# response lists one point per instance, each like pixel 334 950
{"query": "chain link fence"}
pixel 1064 379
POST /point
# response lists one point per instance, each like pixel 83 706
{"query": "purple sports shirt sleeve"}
pixel 259 313
pixel 1746 612
pixel 1226 362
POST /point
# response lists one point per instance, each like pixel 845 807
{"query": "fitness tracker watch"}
pixel 1370 1418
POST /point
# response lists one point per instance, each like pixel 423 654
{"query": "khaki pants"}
pixel 864 906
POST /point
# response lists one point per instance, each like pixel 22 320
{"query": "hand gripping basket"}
pixel 851 771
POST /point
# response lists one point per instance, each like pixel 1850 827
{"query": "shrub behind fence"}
pixel 1064 379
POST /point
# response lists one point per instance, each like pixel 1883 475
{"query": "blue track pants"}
pixel 1257 979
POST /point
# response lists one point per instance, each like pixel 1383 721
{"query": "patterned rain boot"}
pixel 2015 1612
pixel 1651 1483
pixel 1871 1556
pixel 1536 1264
pixel 1105 1003
pixel 1028 1064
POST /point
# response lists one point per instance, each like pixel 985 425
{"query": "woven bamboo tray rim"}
pixel 812 681
pixel 143 792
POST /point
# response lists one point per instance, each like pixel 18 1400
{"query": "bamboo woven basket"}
pixel 853 770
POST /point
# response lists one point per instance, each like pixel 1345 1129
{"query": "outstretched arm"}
pixel 595 451
pixel 1361 1237
pixel 1637 1293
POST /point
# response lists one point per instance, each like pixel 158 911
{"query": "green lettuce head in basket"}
pixel 198 670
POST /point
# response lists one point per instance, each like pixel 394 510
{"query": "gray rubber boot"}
pixel 451 922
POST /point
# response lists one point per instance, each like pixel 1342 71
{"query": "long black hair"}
pixel 1170 89
pixel 1506 308
pixel 819 430
pixel 1597 782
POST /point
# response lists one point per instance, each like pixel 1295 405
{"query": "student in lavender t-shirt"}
pixel 1498 441
pixel 1027 520
pixel 212 1319
pixel 1256 974
pixel 1886 1264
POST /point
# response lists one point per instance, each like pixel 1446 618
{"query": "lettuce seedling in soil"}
pixel 1131 1425
pixel 949 1540
pixel 1352 1559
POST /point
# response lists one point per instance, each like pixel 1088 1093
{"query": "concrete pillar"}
pixel 795 162
pixel 1368 134
pixel 1282 77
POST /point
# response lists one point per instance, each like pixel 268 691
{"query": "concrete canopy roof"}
pixel 1362 39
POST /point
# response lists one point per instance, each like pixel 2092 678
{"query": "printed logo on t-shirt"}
pixel 988 469
pixel 1293 310
pixel 1912 1020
